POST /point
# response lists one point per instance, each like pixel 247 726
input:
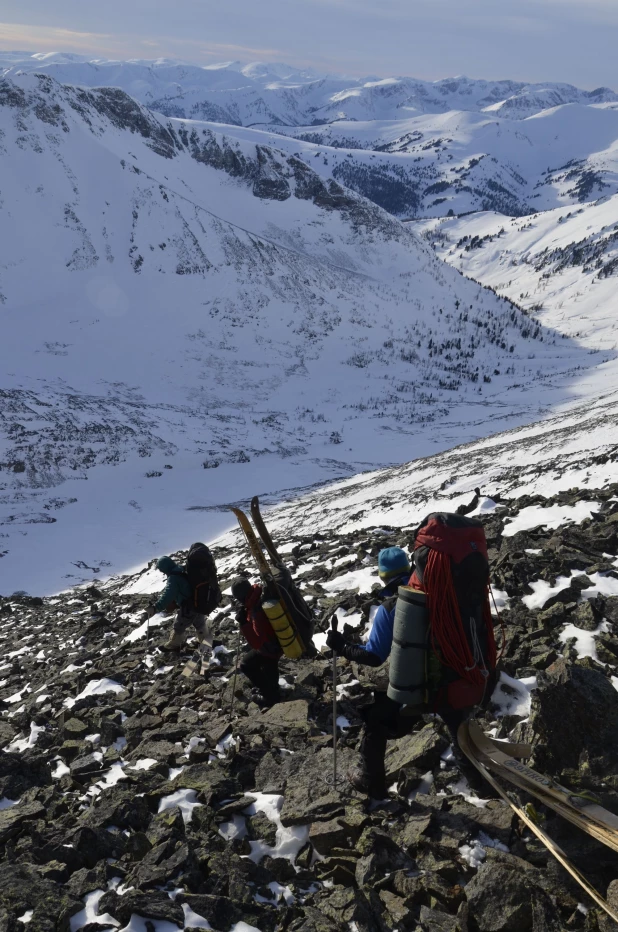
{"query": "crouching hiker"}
pixel 193 591
pixel 260 664
pixel 439 664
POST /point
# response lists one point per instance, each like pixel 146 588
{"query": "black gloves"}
pixel 356 652
pixel 241 615
pixel 336 641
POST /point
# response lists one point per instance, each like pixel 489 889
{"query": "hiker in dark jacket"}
pixel 260 664
pixel 383 718
pixel 177 596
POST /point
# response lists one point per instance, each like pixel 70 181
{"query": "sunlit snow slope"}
pixel 560 265
pixel 188 317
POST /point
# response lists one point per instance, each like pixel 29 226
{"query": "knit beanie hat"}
pixel 241 587
pixel 393 561
pixel 166 565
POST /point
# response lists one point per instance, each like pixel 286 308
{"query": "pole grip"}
pixel 334 622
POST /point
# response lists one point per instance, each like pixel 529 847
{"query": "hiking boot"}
pixel 176 641
pixel 361 781
pixel 203 635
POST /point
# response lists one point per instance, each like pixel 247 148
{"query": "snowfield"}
pixel 190 318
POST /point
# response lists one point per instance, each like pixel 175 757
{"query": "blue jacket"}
pixel 381 637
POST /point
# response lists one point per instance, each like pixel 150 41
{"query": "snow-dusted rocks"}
pixel 146 805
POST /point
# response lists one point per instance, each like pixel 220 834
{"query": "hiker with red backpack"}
pixel 192 591
pixel 260 664
pixel 440 636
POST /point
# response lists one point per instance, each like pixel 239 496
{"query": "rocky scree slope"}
pixel 175 296
pixel 129 798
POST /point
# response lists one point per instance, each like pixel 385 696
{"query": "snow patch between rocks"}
pixel 185 800
pixel 585 643
pixel 289 839
pixel 95 688
pixel 551 517
pixel 512 697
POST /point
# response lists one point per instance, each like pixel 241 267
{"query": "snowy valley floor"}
pixel 128 800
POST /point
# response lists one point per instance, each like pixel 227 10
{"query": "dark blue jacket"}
pixel 381 637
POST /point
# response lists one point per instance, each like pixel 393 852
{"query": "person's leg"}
pixel 202 629
pixel 263 673
pixel 270 680
pixel 453 718
pixel 250 666
pixel 382 721
pixel 179 631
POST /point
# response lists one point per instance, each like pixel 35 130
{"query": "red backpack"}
pixel 451 567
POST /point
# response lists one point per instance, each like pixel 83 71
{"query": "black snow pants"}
pixel 263 673
pixel 384 722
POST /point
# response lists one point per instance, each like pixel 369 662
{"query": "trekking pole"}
pixel 235 674
pixel 333 624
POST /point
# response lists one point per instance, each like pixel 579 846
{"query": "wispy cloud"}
pixel 527 40
pixel 42 38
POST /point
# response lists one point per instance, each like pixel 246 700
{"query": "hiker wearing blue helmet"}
pixel 382 718
pixel 394 571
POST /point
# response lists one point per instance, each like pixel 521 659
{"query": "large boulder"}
pixel 504 898
pixel 574 712
pixel 23 889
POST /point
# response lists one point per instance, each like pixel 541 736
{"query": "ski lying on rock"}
pixel 580 809
pixel 198 662
pixel 470 748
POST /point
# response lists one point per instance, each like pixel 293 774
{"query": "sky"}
pixel 530 40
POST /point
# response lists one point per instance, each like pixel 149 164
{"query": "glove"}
pixel 336 641
pixel 241 616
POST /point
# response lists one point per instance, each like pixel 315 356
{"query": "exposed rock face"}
pixel 127 791
pixel 575 719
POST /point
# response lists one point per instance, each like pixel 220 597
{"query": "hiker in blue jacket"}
pixel 382 718
pixel 394 571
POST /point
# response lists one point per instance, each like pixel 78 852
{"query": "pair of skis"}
pixel 493 757
pixel 255 544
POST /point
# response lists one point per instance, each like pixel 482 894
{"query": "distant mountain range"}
pixel 265 93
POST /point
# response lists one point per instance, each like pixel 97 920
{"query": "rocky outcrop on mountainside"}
pixel 128 790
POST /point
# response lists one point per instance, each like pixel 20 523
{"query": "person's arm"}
pixel 377 648
pixel 167 597
pixel 268 640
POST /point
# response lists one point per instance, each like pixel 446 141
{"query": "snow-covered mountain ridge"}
pixel 176 298
pixel 559 264
pixel 415 148
pixel 263 93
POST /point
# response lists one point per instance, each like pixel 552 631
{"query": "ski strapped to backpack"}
pixel 444 650
pixel 201 572
pixel 289 616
